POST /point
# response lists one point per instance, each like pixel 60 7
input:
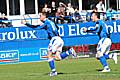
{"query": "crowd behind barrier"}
pixel 65 12
pixel 78 18
pixel 18 42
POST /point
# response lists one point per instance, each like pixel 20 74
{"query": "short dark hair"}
pixel 44 13
pixel 95 8
pixel 97 14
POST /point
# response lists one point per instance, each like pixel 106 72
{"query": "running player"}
pixel 104 43
pixel 56 43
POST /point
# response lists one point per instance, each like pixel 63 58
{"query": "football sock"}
pixel 103 61
pixel 106 56
pixel 65 54
pixel 51 64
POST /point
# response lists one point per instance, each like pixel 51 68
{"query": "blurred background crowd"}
pixel 63 12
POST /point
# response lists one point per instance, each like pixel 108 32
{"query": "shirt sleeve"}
pixel 96 30
pixel 31 26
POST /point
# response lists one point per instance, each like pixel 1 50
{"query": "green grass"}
pixel 69 69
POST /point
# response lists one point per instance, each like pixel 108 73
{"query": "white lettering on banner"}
pixel 115 27
pixel 82 31
pixel 7 55
pixel 17 35
pixel 24 36
pixel 32 35
pixel 30 54
pixel 3 34
pixel 61 30
pixel 43 52
pixel 72 30
pixel 76 30
pixel 118 28
pixel 9 35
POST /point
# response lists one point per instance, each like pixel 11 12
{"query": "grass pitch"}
pixel 69 69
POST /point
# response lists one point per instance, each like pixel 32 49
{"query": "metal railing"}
pixel 61 20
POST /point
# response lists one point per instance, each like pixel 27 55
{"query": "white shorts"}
pixel 104 46
pixel 56 44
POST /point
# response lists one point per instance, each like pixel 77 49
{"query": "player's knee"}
pixel 99 54
pixel 49 55
pixel 97 58
pixel 57 58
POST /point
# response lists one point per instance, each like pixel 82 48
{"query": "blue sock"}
pixel 103 61
pixel 51 64
pixel 65 54
pixel 106 56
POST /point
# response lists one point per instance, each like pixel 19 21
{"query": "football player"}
pixel 55 44
pixel 104 43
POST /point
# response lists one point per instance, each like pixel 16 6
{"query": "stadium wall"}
pixel 25 44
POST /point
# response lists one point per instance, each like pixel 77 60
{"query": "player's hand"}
pixel 24 22
pixel 85 29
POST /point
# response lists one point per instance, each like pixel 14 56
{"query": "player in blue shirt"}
pixel 56 43
pixel 104 43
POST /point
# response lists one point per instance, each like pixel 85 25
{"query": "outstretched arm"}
pixel 31 26
pixel 96 30
pixel 43 26
pixel 92 31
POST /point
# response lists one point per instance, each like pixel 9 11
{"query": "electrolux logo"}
pixel 76 30
pixel 17 34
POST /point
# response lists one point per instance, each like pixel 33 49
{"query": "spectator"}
pixel 62 7
pixel 4 21
pixel 46 9
pixel 3 17
pixel 60 13
pixel 95 9
pixel 89 14
pixel 53 8
pixel 70 13
pixel 70 10
pixel 100 6
pixel 60 16
pixel 111 14
pixel 77 15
